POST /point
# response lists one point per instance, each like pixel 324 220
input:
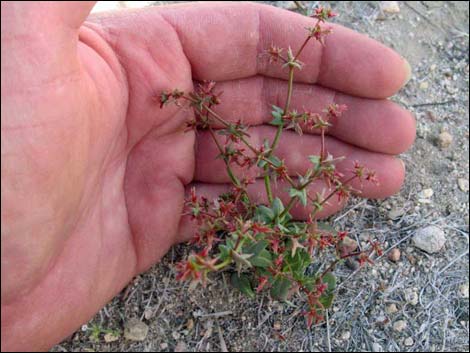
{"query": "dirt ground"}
pixel 422 293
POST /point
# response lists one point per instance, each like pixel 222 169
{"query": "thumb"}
pixel 39 40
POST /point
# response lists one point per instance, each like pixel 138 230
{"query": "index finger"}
pixel 223 41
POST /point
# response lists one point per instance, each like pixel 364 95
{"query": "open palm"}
pixel 94 173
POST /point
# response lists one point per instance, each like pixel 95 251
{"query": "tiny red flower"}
pixel 313 316
pixel 343 193
pixel 377 248
pixel 336 110
pixel 358 170
pixel 278 262
pixel 259 228
pixel 275 53
pixel 363 259
pixel 321 288
pixel 342 235
pixel 372 177
pixel 262 281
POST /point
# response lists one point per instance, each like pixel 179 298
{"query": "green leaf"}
pixel 264 214
pixel 330 279
pixel 280 288
pixel 327 298
pixel 275 160
pixel 300 194
pixel 297 264
pixel 224 252
pixel 315 161
pixel 242 283
pixel 277 122
pixel 262 163
pixel 263 259
pixel 256 247
pixel 277 114
pixel 305 178
pixel 277 206
pixel 309 282
pixel 326 227
pixel 241 259
pixel 277 110
pixel 296 64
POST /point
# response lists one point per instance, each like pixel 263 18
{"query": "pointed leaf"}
pixel 280 288
pixel 263 259
pixel 256 247
pixel 327 298
pixel 277 206
pixel 242 283
pixel 316 161
pixel 264 214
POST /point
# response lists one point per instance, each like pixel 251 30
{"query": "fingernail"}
pixel 409 72
pixel 402 163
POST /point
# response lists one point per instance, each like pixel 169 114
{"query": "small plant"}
pixel 96 332
pixel 262 244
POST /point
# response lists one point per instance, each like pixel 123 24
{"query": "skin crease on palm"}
pixel 94 174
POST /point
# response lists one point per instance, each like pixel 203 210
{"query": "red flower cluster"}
pixel 322 14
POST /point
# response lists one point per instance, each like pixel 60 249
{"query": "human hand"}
pixel 94 173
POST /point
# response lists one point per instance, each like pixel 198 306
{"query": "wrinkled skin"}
pixel 94 174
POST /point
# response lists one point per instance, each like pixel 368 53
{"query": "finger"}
pixel 257 194
pixel 377 125
pixel 49 28
pixel 223 41
pixel 154 187
pixel 295 149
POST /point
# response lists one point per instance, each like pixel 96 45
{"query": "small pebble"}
pixel 426 193
pixel 181 347
pixel 430 239
pixel 376 347
pixel 348 246
pixel 346 335
pixel 110 337
pixel 444 139
pixel 148 313
pixel 424 85
pixel 463 290
pixel 135 330
pixel 390 6
pixel 409 342
pixel 399 325
pixel 394 255
pixel 391 309
pixel 395 213
pixel 411 296
pixel 463 184
pixel 163 345
pixel 190 324
pixel 352 264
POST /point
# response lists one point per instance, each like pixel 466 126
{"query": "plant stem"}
pixel 228 261
pixel 290 86
pixel 334 263
pixel 302 47
pixel 232 176
pixel 293 200
pixel 267 185
pixel 286 109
